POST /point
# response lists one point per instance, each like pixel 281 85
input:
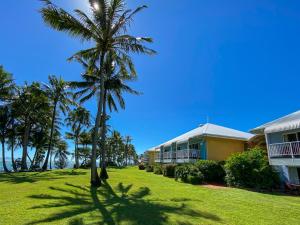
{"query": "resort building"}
pixel 208 141
pixel 283 143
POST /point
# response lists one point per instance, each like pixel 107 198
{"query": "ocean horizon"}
pixel 70 164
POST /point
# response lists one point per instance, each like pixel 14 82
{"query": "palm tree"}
pixel 127 141
pixel 106 27
pixel 7 85
pixel 5 121
pixel 32 107
pixel 60 97
pixel 77 120
pixel 61 154
pixel 114 86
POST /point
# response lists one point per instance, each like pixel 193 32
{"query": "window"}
pixel 194 146
pixel 291 137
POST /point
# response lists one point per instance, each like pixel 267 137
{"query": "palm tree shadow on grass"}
pixel 105 206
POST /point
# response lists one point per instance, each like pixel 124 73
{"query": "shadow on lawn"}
pixel 32 177
pixel 105 206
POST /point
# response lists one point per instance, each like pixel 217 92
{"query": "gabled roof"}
pixel 288 122
pixel 210 130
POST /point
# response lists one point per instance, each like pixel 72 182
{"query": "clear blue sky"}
pixel 236 62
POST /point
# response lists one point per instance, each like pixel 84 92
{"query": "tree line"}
pixel 31 115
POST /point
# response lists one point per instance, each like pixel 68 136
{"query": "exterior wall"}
pixel 220 149
pixel 277 137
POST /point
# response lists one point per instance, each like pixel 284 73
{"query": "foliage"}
pixel 189 173
pixel 149 168
pixel 169 170
pixel 212 171
pixel 157 169
pixel 251 169
pixel 141 166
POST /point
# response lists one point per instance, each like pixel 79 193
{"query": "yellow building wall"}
pixel 220 149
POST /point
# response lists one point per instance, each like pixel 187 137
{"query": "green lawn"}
pixel 134 197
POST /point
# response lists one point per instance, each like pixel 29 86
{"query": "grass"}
pixel 134 197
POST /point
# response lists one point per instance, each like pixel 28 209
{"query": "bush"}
pixel 157 169
pixel 149 168
pixel 169 170
pixel 189 173
pixel 251 169
pixel 212 171
pixel 141 167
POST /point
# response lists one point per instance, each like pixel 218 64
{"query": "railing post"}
pixel 291 148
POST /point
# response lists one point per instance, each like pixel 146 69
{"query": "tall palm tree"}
pixel 7 85
pixel 78 119
pixel 60 97
pixel 115 85
pixel 106 27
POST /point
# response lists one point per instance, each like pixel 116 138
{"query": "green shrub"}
pixel 189 173
pixel 141 167
pixel 251 169
pixel 149 168
pixel 212 171
pixel 169 170
pixel 182 172
pixel 157 169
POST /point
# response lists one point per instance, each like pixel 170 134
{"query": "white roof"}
pixel 210 130
pixel 288 122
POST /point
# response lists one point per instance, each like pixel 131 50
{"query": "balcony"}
pixel 286 153
pixel 180 156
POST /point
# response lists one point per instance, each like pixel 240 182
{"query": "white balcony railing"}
pixel 285 150
pixel 178 155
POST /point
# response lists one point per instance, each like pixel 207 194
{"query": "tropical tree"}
pixel 60 98
pixel 115 85
pixel 78 119
pixel 5 120
pixel 61 154
pixel 32 107
pixel 7 85
pixel 127 141
pixel 106 27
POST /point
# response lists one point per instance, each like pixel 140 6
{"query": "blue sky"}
pixel 237 64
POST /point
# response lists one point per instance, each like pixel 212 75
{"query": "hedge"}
pixel 251 169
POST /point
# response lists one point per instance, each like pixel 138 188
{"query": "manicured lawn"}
pixel 134 197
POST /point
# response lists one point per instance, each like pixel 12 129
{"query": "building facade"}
pixel 283 144
pixel 208 141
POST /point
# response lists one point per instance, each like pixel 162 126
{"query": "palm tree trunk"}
pixel 76 154
pixel 25 145
pixel 3 157
pixel 95 180
pixel 14 166
pixel 103 173
pixel 45 166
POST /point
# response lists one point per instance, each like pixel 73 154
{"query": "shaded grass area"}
pixel 134 197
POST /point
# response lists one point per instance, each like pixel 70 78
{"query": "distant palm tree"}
pixel 127 141
pixel 60 97
pixel 5 120
pixel 107 28
pixel 78 119
pixel 61 154
pixel 7 85
pixel 32 108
